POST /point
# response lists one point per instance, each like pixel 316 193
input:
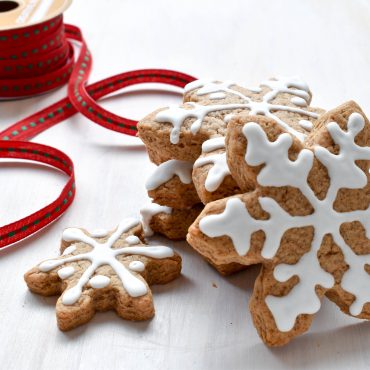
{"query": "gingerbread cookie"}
pixel 307 221
pixel 104 270
pixel 194 131
pixel 170 222
pixel 171 185
pixel 211 174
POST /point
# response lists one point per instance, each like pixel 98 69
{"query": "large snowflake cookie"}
pixel 307 220
pixel 187 142
pixel 104 270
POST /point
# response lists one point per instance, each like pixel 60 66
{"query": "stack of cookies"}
pixel 187 143
pixel 283 184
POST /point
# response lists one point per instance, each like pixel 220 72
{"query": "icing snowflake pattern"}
pixel 103 254
pixel 237 223
pixel 219 169
pixel 293 85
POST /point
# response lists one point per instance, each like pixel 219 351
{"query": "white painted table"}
pixel 197 325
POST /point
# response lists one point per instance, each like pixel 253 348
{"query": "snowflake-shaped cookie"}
pixel 195 130
pixel 307 221
pixel 104 270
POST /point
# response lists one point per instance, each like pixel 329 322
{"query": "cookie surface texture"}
pixel 306 221
pixel 103 271
pixel 194 132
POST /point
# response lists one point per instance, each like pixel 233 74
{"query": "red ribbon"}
pixel 40 58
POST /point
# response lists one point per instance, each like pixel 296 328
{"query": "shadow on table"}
pixel 312 350
pixel 244 280
pixel 107 318
pixel 182 283
pixel 137 147
pixel 135 327
pixel 316 350
pixel 332 349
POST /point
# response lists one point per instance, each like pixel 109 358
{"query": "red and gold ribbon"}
pixel 37 59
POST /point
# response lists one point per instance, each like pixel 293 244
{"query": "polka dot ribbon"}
pixel 40 58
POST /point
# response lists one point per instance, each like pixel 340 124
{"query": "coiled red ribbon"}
pixel 40 58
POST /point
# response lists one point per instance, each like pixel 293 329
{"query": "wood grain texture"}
pixel 197 325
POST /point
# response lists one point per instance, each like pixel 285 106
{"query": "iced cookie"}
pixel 170 222
pixel 195 131
pixel 177 132
pixel 171 185
pixel 103 271
pixel 211 174
pixel 307 221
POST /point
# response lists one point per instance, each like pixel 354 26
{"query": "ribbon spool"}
pixel 35 56
pixel 81 98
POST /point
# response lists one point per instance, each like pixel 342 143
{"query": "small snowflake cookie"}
pixel 307 219
pixel 103 271
pixel 187 142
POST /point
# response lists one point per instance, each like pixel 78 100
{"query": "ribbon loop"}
pixel 28 225
pixel 37 59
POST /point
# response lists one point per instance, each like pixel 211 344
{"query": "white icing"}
pixel 99 233
pixel 306 124
pixel 274 155
pixel 66 272
pixel 217 95
pixel 213 144
pixel 49 265
pixel 219 170
pixel 299 101
pixel 176 115
pixel 137 266
pixel 289 85
pixel 229 117
pixel 99 281
pixel 132 240
pixel 69 250
pixel 72 234
pixel 165 171
pixel 208 86
pixel 147 214
pixel 104 254
pixel 236 222
pixel 196 84
pixel 254 89
pixel 71 295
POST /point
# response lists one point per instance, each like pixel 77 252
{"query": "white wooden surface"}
pixel 197 326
